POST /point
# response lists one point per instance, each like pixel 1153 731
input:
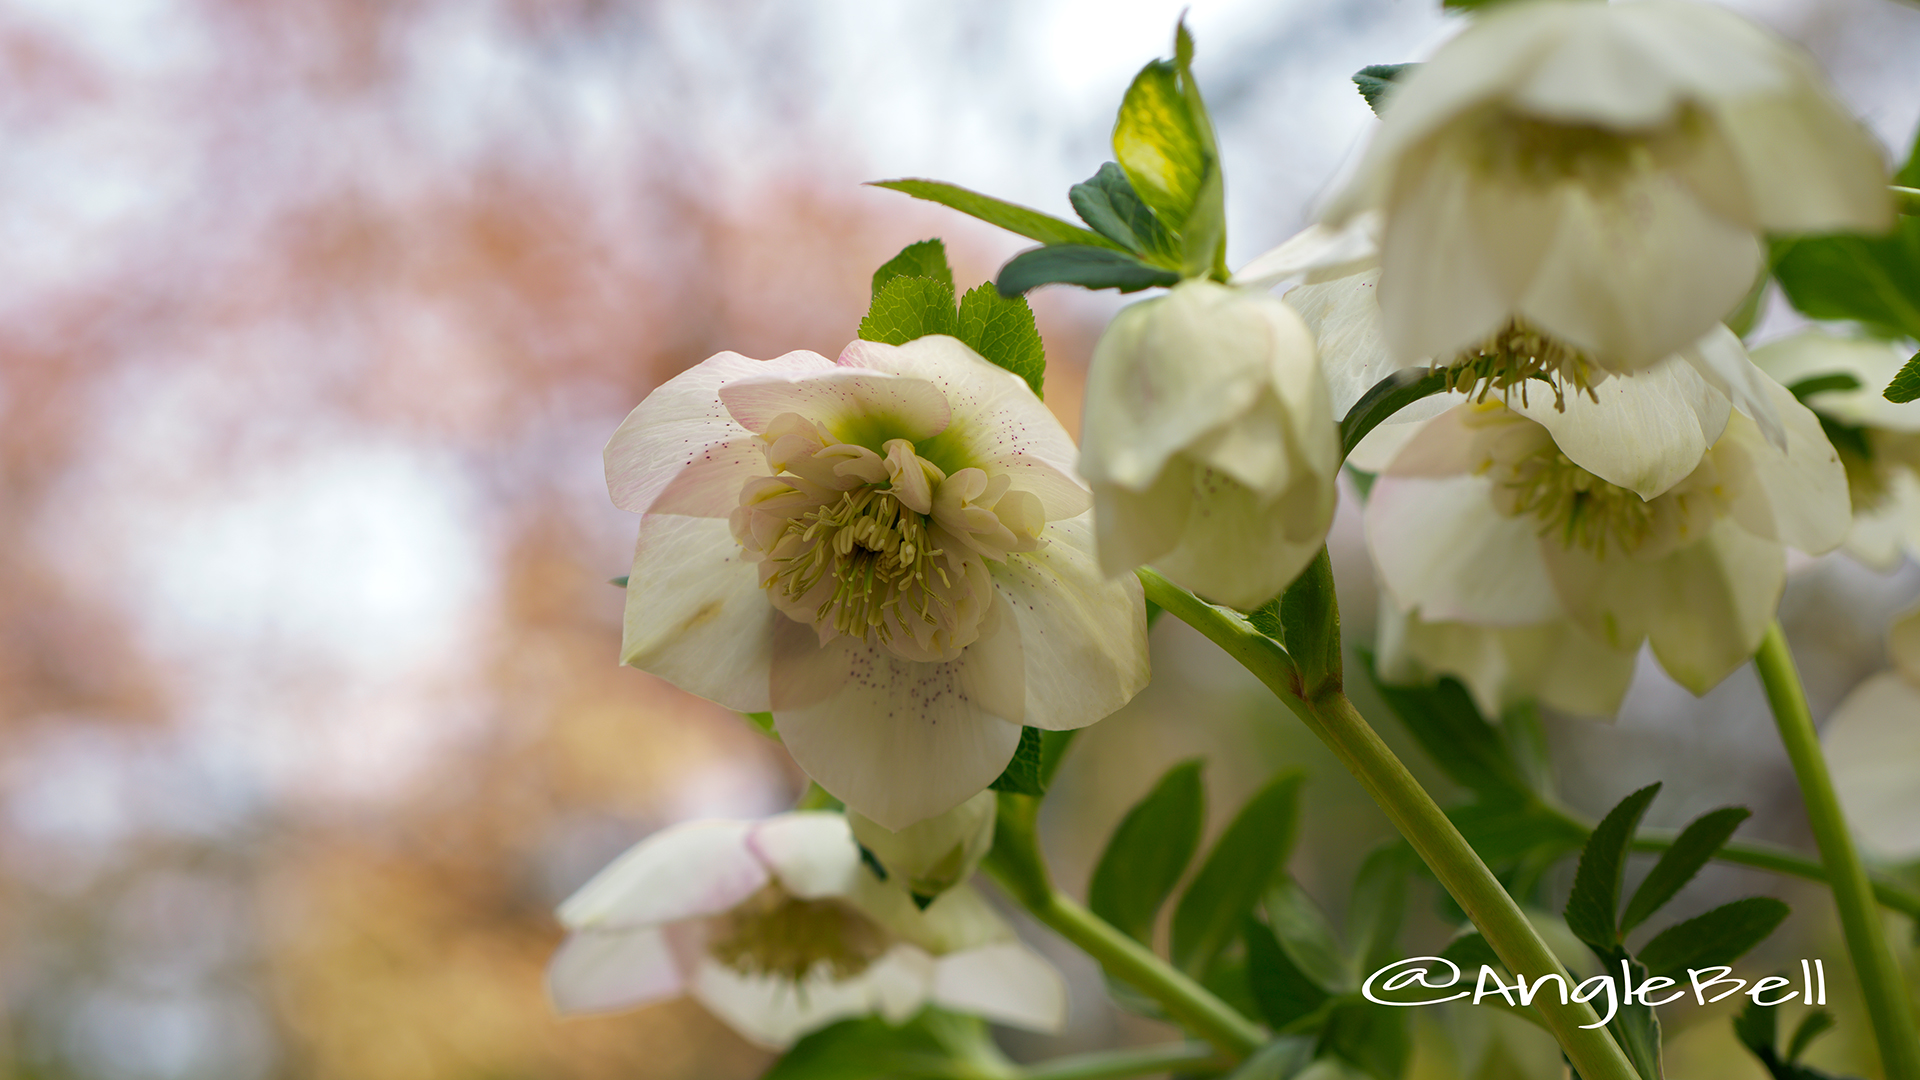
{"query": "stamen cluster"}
pixel 777 934
pixel 1515 354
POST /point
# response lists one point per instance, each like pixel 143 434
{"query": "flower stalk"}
pixel 1459 868
pixel 1887 1005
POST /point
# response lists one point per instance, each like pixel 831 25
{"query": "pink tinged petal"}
pixel 696 615
pixel 680 422
pixel 1006 983
pixel 612 971
pixel 1381 446
pixel 897 740
pixel 773 1012
pixel 1445 445
pixel 685 871
pixel 1647 432
pixel 859 407
pixel 1798 498
pixel 1445 551
pixel 1083 637
pixel 1873 747
pixel 811 852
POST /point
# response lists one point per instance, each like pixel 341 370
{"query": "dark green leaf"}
pixel 1019 219
pixel 1905 386
pixel 1022 774
pixel 1375 80
pixel 1873 280
pixel 1108 202
pixel 1377 906
pixel 1690 851
pixel 1721 936
pixel 1372 1037
pixel 619 582
pixel 1820 384
pixel 1307 937
pixel 1281 990
pixel 1757 1028
pixel 1814 1025
pixel 1236 872
pixel 1383 399
pixel 1448 726
pixel 1001 329
pixel 1079 264
pixel 907 308
pixel 1635 1027
pixel 1909 174
pixel 1596 884
pixel 1281 1059
pixel 1149 851
pixel 1157 142
pixel 927 259
pixel 865 1049
pixel 1310 627
pixel 1846 438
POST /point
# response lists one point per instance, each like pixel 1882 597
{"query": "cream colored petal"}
pixel 811 852
pixel 1606 71
pixel 1555 663
pixel 1616 600
pixel 1344 317
pixel 1007 984
pixel 680 421
pixel 1646 432
pixel 612 971
pixel 709 486
pixel 696 615
pixel 1798 498
pixel 1873 749
pixel 1812 166
pixel 1256 450
pixel 1240 550
pixel 682 872
pixel 1443 550
pixel 1134 528
pixel 864 408
pixel 1385 443
pixel 773 1012
pixel 1720 359
pixel 1315 250
pixel 1903 644
pixel 1720 595
pixel 897 740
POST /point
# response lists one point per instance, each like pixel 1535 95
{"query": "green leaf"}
pixel 618 582
pixel 927 259
pixel 1282 992
pixel 1108 202
pixel 1721 936
pixel 1814 1025
pixel 1372 1037
pixel 1310 627
pixel 1377 906
pixel 907 308
pixel 1307 937
pixel 1280 1059
pixel 1909 174
pixel 1149 851
pixel 865 1049
pixel 1820 384
pixel 1022 774
pixel 1470 950
pixel 1375 80
pixel 763 721
pixel 1383 399
pixel 1905 386
pixel 1448 726
pixel 1014 218
pixel 1678 864
pixel 1635 1027
pixel 1596 884
pixel 1079 264
pixel 1504 833
pixel 1236 872
pixel 1001 329
pixel 1873 280
pixel 1757 1028
pixel 1157 142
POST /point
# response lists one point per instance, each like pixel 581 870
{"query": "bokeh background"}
pixel 317 313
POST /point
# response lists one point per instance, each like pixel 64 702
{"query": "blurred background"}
pixel 317 315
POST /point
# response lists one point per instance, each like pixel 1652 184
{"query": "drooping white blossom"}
pixel 1598 177
pixel 1555 663
pixel 929 857
pixel 889 552
pixel 1878 441
pixel 1872 743
pixel 1210 442
pixel 778 929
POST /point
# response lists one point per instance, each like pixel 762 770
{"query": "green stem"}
pixel 1887 1005
pixel 1338 724
pixel 1906 199
pixel 1891 894
pixel 1114 1064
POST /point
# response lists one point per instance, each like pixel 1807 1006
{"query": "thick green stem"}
pixel 1338 724
pixel 1887 1004
pixel 1891 894
pixel 1141 1061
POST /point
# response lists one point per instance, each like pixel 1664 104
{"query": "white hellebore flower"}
pixel 778 929
pixel 1655 513
pixel 929 857
pixel 1555 663
pixel 1878 441
pixel 1873 747
pixel 1597 176
pixel 889 552
pixel 1210 442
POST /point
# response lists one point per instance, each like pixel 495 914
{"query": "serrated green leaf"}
pixel 1905 386
pixel 1078 264
pixel 864 1049
pixel 1372 1037
pixel 1148 852
pixel 1872 280
pixel 1281 991
pixel 1255 846
pixel 1307 937
pixel 1157 142
pixel 1596 884
pixel 1377 906
pixel 1721 936
pixel 1108 203
pixel 1001 329
pixel 1443 719
pixel 1812 1026
pixel 1697 843
pixel 1375 80
pixel 927 259
pixel 907 308
pixel 1025 221
pixel 1022 774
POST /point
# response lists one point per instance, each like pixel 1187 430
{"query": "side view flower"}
pixel 889 552
pixel 1598 176
pixel 929 857
pixel 1210 442
pixel 778 929
pixel 1873 747
pixel 1556 663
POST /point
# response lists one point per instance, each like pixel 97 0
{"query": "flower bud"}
pixel 935 854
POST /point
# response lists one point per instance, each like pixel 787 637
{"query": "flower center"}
pixel 875 557
pixel 1584 510
pixel 1515 354
pixel 1540 152
pixel 775 933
